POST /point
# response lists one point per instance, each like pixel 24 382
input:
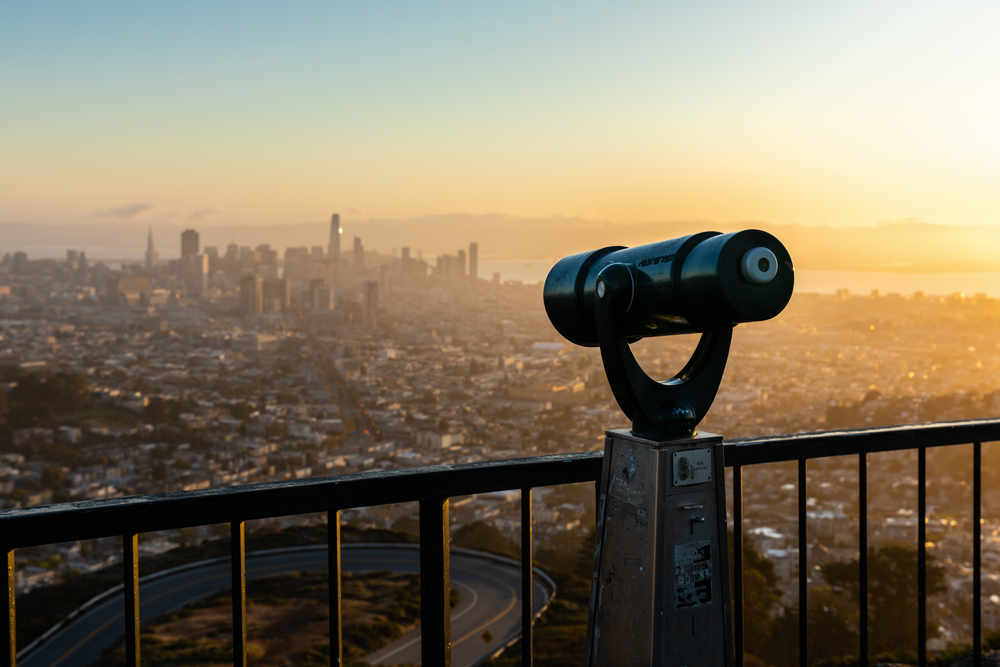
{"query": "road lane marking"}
pixel 121 615
pixel 475 599
pixel 278 566
pixel 496 618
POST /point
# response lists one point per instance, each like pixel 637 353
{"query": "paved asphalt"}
pixel 489 601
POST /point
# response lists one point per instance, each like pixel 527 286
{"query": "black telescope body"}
pixel 693 284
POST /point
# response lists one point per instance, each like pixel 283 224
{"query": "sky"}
pixel 846 113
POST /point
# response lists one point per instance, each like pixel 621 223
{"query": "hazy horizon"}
pixel 897 247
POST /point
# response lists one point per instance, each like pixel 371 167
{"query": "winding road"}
pixel 489 601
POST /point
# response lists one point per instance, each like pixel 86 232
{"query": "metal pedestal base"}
pixel 660 589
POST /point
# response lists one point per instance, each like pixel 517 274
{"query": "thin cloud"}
pixel 203 214
pixel 358 212
pixel 130 211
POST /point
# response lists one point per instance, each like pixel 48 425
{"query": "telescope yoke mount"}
pixel 659 411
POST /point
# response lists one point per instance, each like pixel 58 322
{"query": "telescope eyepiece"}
pixel 617 283
pixel 759 266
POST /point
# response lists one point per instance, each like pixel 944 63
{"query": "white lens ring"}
pixel 759 266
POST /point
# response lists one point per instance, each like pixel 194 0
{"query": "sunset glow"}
pixel 845 114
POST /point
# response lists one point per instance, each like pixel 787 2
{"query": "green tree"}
pixel 164 410
pixel 64 392
pixel 53 478
pixel 485 537
pixel 276 430
pixel 832 619
pixel 761 596
pixel 287 398
pixel 892 594
pixel 159 471
pixel 241 410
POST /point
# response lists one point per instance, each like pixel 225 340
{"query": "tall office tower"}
pixel 320 295
pixel 460 268
pixel 251 295
pixel 336 230
pixel 72 257
pixel 294 259
pixel 277 294
pixel 189 243
pixel 474 261
pixel 213 258
pixel 152 257
pixel 359 258
pixel 232 259
pixel 370 306
pixel 316 253
pixel 197 279
pixel 404 263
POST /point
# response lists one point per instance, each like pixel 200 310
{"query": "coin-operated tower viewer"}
pixel 660 588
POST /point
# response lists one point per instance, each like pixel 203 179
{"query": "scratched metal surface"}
pixel 658 568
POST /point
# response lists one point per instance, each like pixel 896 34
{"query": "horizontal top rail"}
pixel 751 451
pixel 167 511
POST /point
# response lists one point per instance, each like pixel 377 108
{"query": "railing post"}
pixel 738 562
pixel 8 641
pixel 130 564
pixel 527 583
pixel 922 557
pixel 803 570
pixel 863 553
pixel 435 583
pixel 333 557
pixel 977 569
pixel 239 572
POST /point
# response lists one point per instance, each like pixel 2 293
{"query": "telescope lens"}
pixel 759 266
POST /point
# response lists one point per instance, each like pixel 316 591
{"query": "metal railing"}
pixel 802 448
pixel 432 487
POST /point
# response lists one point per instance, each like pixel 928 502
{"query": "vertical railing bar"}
pixel 977 600
pixel 738 562
pixel 922 556
pixel 527 582
pixel 863 557
pixel 435 583
pixel 803 570
pixel 130 572
pixel 9 638
pixel 333 560
pixel 239 573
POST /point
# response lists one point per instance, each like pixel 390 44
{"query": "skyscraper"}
pixel 474 261
pixel 277 292
pixel 153 257
pixel 320 295
pixel 189 243
pixel 460 266
pixel 197 279
pixel 359 257
pixel 335 231
pixel 404 263
pixel 370 308
pixel 251 295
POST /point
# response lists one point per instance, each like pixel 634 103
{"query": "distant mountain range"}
pixel 903 247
